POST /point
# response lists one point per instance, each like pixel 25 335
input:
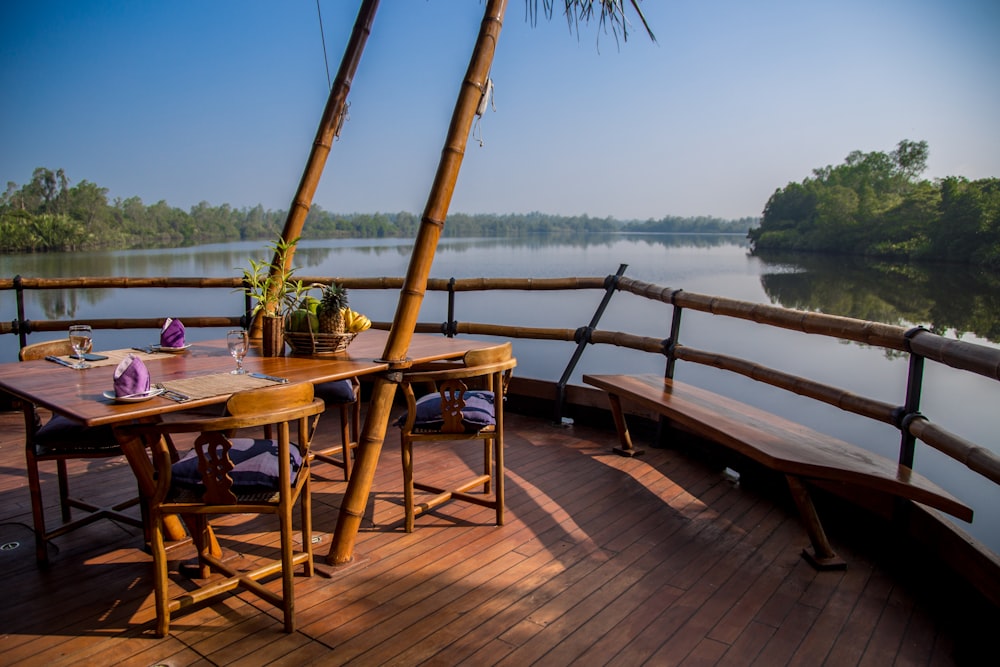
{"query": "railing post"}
pixel 246 319
pixel 583 338
pixel 669 348
pixel 911 408
pixel 450 327
pixel 675 332
pixel 22 325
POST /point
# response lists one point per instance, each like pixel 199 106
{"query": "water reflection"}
pixel 940 297
pixel 950 300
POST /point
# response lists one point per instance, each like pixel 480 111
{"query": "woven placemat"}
pixel 215 384
pixel 114 357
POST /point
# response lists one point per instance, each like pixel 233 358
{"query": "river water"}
pixel 953 301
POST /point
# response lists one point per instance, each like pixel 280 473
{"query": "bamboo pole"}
pixel 976 458
pixel 411 295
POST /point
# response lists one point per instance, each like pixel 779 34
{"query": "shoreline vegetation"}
pixel 874 205
pixel 48 215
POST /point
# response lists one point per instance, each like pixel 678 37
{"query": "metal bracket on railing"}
pixel 675 332
pixel 22 325
pixel 246 319
pixel 582 338
pixel 914 386
pixel 450 328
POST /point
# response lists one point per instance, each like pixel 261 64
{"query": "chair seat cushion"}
pixel 65 436
pixel 478 413
pixel 339 391
pixel 255 468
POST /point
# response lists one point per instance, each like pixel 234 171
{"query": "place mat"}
pixel 215 384
pixel 114 357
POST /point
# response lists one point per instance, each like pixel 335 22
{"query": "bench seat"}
pixel 798 452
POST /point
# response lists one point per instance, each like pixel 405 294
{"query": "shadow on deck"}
pixel 603 560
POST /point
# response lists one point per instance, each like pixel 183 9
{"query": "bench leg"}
pixel 823 556
pixel 626 448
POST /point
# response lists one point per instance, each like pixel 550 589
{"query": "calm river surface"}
pixel 956 302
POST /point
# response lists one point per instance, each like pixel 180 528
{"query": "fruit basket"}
pixel 311 343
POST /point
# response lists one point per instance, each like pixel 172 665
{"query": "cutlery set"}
pixel 171 394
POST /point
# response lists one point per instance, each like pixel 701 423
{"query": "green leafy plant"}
pixel 276 292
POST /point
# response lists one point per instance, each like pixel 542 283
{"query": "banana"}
pixel 349 316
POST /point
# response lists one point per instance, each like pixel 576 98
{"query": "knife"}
pixel 261 376
pixel 61 361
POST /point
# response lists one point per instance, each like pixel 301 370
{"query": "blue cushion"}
pixel 66 435
pixel 339 391
pixel 477 414
pixel 255 468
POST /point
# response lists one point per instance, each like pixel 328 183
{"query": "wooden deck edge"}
pixel 929 528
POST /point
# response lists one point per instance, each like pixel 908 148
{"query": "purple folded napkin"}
pixel 131 377
pixel 172 333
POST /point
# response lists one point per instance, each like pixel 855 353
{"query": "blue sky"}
pixel 219 101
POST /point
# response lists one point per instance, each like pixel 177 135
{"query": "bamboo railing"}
pixel 918 343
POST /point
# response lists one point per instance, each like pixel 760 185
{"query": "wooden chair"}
pixel 226 474
pixel 456 410
pixel 346 394
pixel 60 440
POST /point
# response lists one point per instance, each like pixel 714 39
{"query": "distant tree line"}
pixel 49 215
pixel 874 204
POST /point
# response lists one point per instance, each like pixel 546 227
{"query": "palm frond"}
pixel 609 13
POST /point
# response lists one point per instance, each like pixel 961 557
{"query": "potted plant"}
pixel 275 293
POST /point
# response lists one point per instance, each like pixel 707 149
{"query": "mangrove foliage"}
pixel 875 204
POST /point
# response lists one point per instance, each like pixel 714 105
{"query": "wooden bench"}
pixel 799 453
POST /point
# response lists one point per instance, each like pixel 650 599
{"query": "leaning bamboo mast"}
pixel 412 293
pixel 329 128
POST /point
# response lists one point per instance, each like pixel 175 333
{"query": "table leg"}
pixel 174 529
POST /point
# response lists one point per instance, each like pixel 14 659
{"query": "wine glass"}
pixel 81 342
pixel 238 341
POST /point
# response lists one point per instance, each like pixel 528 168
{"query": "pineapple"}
pixel 331 319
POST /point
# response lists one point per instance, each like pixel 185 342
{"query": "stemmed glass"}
pixel 80 339
pixel 238 341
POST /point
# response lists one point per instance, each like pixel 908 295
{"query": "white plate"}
pixel 169 350
pixel 135 398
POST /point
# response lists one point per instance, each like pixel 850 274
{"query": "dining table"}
pixel 197 375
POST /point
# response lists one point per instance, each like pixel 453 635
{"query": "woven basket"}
pixel 307 342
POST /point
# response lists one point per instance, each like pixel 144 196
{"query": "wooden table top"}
pixel 80 394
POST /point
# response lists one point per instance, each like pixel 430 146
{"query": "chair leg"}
pixel 160 584
pixel 306 508
pixel 37 511
pixel 347 434
pixel 488 465
pixel 63 490
pixel 204 541
pixel 287 574
pixel 350 428
pixel 498 467
pixel 407 448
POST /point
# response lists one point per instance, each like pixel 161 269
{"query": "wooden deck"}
pixel 658 560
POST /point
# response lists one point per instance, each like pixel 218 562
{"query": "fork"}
pixel 171 394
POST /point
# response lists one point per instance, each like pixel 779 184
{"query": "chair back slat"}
pixel 59 347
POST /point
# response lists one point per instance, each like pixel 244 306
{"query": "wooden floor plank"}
pixel 602 560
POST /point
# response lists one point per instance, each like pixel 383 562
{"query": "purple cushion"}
pixel 131 377
pixel 172 333
pixel 255 468
pixel 478 412
pixel 339 391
